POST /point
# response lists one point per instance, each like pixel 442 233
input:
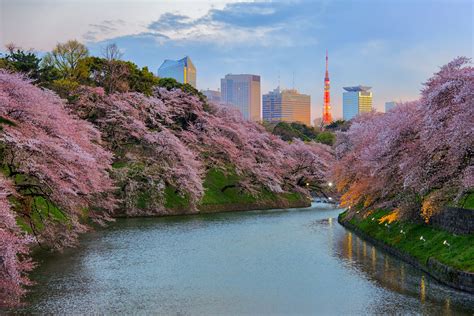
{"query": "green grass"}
pixel 213 195
pixel 43 209
pixel 119 164
pixel 467 201
pixel 214 182
pixel 460 253
pixel 175 201
pixel 39 208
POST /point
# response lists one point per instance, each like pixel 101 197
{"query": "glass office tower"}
pixel 356 100
pixel 286 106
pixel 242 92
pixel 182 70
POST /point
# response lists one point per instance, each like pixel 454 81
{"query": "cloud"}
pixel 253 23
pixel 103 29
pixel 252 14
pixel 171 21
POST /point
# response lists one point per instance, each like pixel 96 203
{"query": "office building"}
pixel 389 105
pixel 182 70
pixel 242 92
pixel 213 96
pixel 286 106
pixel 356 100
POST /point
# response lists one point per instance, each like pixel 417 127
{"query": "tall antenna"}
pixel 279 84
pixel 327 117
pixel 327 63
pixel 293 80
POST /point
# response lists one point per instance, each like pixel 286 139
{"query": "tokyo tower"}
pixel 327 117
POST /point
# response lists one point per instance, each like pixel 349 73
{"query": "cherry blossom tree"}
pixel 14 249
pixel 139 130
pixel 308 166
pixel 417 156
pixel 172 139
pixel 58 166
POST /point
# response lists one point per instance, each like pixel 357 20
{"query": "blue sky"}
pixel 392 46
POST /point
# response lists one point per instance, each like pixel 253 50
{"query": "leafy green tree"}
pixel 288 131
pixel 326 137
pixel 65 58
pixel 25 62
pixel 141 80
pixel 339 125
pixel 304 129
pixel 115 75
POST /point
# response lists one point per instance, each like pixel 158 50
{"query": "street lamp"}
pixel 330 184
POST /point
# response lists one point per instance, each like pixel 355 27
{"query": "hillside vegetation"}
pixel 111 138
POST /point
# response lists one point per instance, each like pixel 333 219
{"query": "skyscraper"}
pixel 242 92
pixel 327 117
pixel 355 101
pixel 389 105
pixel 213 96
pixel 182 70
pixel 286 106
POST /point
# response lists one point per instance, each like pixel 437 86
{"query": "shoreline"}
pixel 227 207
pixel 444 274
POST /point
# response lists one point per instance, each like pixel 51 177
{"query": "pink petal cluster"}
pixel 50 154
pixel 61 152
pixel 14 261
pixel 175 138
pixel 418 155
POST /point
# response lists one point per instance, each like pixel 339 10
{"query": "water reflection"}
pixel 254 263
pixel 394 275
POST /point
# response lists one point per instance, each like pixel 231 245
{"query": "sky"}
pixel 392 46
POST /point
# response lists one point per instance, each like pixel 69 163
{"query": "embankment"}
pixel 446 257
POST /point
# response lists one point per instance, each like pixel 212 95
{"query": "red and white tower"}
pixel 327 117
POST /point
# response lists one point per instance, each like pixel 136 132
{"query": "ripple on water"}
pixel 263 262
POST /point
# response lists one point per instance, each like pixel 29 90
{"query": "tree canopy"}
pixel 417 156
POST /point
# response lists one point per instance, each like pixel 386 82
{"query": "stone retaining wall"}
pixel 455 220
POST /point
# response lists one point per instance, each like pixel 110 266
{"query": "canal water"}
pixel 298 261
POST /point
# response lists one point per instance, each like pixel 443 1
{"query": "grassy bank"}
pixel 419 241
pixel 221 189
pixel 214 194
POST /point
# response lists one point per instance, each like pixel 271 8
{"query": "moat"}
pixel 298 261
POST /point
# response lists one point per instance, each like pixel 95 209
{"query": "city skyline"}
pixel 272 39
